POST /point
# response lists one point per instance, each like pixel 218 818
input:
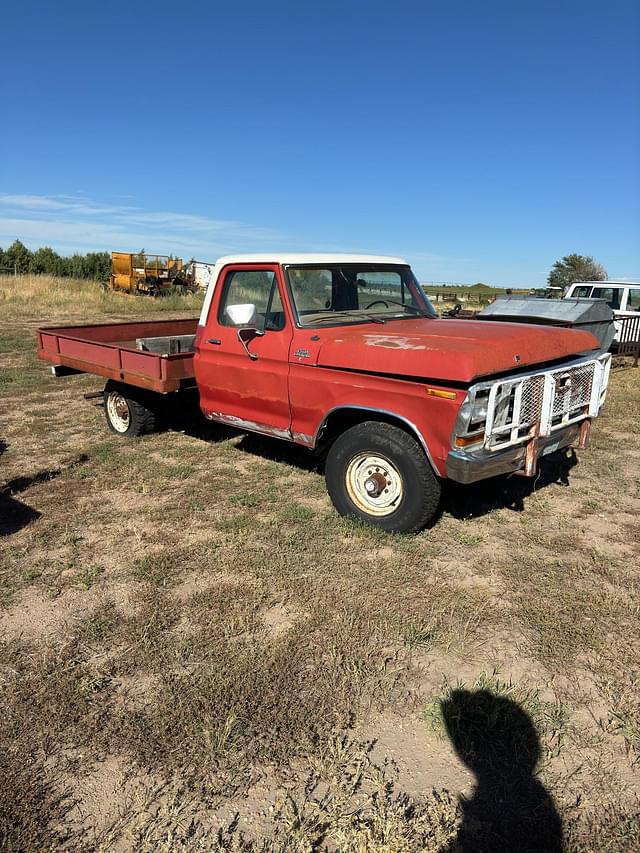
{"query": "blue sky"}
pixel 482 141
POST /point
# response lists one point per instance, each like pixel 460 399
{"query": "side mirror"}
pixel 244 315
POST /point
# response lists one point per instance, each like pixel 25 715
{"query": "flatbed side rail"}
pixel 109 350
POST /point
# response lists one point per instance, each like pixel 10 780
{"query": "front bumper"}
pixel 467 466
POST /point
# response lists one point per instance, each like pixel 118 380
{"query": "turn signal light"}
pixel 437 392
pixel 464 440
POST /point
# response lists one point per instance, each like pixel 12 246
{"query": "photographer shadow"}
pixel 510 809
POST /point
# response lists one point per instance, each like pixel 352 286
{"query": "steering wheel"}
pixel 376 302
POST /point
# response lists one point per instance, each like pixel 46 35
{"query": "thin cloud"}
pixel 69 223
pixel 32 202
pixel 73 223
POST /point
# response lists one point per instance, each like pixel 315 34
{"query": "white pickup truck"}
pixel 623 297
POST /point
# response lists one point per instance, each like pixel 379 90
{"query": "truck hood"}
pixel 448 350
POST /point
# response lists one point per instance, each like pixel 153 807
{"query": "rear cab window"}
pixel 311 289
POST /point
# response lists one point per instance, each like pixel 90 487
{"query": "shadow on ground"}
pixel 187 418
pixel 460 501
pixel 510 810
pixel 14 514
pixel 476 499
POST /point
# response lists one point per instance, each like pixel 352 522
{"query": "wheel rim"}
pixel 118 411
pixel 374 484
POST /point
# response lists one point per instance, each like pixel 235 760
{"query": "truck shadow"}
pixel 14 514
pixel 477 499
pixel 510 809
pixel 460 501
pixel 276 450
pixel 189 419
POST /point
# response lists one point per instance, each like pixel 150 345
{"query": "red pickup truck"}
pixel 345 355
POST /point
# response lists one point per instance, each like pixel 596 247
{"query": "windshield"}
pixel 333 294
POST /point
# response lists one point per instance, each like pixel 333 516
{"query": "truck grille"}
pixel 572 390
pixel 541 403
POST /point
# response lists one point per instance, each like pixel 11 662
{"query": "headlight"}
pixel 470 423
pixel 479 407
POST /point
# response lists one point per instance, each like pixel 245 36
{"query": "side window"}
pixel 584 290
pixel 611 294
pixel 258 287
pixel 633 300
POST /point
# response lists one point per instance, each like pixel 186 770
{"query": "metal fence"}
pixel 629 337
pixel 476 297
pixel 451 293
pixel 9 270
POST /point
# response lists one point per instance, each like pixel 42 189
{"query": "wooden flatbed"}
pixel 111 350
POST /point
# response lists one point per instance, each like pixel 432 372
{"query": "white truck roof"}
pixel 307 258
pixel 605 283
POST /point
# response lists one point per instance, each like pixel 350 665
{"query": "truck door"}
pixel 246 384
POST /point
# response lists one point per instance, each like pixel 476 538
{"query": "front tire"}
pixel 127 410
pixel 379 474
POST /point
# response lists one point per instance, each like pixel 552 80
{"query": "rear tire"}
pixel 379 474
pixel 128 410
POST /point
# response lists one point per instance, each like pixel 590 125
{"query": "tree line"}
pixel 44 261
pixel 97 265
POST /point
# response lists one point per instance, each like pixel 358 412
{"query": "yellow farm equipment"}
pixel 149 274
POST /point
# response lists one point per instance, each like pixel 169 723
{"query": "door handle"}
pixel 214 341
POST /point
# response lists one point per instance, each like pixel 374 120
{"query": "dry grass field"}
pixel 197 653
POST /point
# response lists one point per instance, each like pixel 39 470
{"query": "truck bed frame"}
pixel 110 350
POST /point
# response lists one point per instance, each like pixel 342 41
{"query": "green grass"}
pixel 161 569
pixel 12 343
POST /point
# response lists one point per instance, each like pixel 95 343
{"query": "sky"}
pixel 482 141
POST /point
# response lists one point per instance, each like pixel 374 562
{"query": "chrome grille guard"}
pixel 538 404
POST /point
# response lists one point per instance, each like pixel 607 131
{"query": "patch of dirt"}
pixel 134 691
pixel 35 617
pixel 197 584
pixel 424 761
pixel 123 595
pixel 280 618
pixel 112 791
